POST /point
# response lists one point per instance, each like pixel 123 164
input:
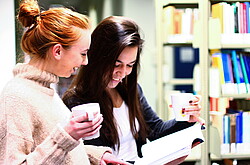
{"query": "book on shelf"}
pixel 178 24
pixel 244 72
pixel 236 135
pixel 230 70
pixel 234 17
pixel 238 75
pixel 223 62
pixel 171 147
pixel 225 146
pixel 246 59
pixel 217 12
pixel 247 16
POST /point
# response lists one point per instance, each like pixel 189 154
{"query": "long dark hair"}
pixel 108 40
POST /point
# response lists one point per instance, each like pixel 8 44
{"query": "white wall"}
pixel 143 12
pixel 7 40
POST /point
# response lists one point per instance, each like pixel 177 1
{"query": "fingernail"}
pixel 183 109
pixel 203 126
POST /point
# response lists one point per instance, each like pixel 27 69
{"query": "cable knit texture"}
pixel 31 115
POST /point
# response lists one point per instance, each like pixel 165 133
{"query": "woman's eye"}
pixel 130 66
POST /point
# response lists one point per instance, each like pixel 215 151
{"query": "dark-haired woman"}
pixel 110 79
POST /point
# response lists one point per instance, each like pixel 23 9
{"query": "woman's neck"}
pixel 115 97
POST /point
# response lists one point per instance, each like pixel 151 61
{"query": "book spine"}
pixel 244 72
pixel 239 132
pixel 217 12
pixel 236 23
pixel 246 127
pixel 247 17
pixel 217 63
pixel 237 73
pixel 246 59
pixel 226 129
pixel 239 129
pixel 229 87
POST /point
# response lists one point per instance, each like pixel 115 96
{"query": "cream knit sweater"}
pixel 31 115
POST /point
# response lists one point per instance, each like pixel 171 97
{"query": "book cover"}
pixel 225 146
pixel 178 21
pixel 236 23
pixel 244 72
pixel 246 59
pixel 238 73
pixel 240 16
pixel 217 63
pixel 229 87
pixel 247 17
pixel 171 147
pixel 217 12
pixel 168 22
pixel 187 21
pixel 246 133
pixel 232 128
pixel 228 21
pixel 244 17
pixel 239 127
pixel 246 127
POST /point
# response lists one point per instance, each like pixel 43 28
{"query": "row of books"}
pixel 231 117
pixel 179 22
pixel 234 17
pixel 232 69
pixel 236 132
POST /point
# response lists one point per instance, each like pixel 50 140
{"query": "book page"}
pixel 170 147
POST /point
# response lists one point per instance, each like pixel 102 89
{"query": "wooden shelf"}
pixel 238 96
pixel 179 39
pixel 229 1
pixel 181 81
pixel 181 3
pixel 235 46
pixel 230 156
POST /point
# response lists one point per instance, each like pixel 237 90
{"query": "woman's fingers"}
pixel 79 127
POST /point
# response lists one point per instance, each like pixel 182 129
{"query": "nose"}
pixel 123 71
pixel 85 61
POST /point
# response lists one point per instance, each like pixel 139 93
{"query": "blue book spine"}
pixel 226 70
pixel 240 70
pixel 247 65
pixel 230 67
pixel 247 16
pixel 246 127
pixel 235 68
pixel 239 128
pixel 243 67
pixel 226 129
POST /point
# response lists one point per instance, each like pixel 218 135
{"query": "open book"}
pixel 171 147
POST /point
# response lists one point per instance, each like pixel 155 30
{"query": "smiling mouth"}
pixel 117 79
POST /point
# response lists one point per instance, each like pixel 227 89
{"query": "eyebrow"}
pixel 129 63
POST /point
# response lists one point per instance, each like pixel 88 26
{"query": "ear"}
pixel 57 51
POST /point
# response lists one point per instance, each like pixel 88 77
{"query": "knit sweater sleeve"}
pixel 17 145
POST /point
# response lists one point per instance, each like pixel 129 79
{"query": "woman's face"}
pixel 123 65
pixel 75 56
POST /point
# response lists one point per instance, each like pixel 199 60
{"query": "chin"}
pixel 113 85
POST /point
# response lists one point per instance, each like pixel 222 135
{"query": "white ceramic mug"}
pixel 90 109
pixel 179 101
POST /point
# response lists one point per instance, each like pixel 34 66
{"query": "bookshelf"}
pixel 206 37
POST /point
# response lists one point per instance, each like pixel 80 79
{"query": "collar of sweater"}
pixel 30 72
